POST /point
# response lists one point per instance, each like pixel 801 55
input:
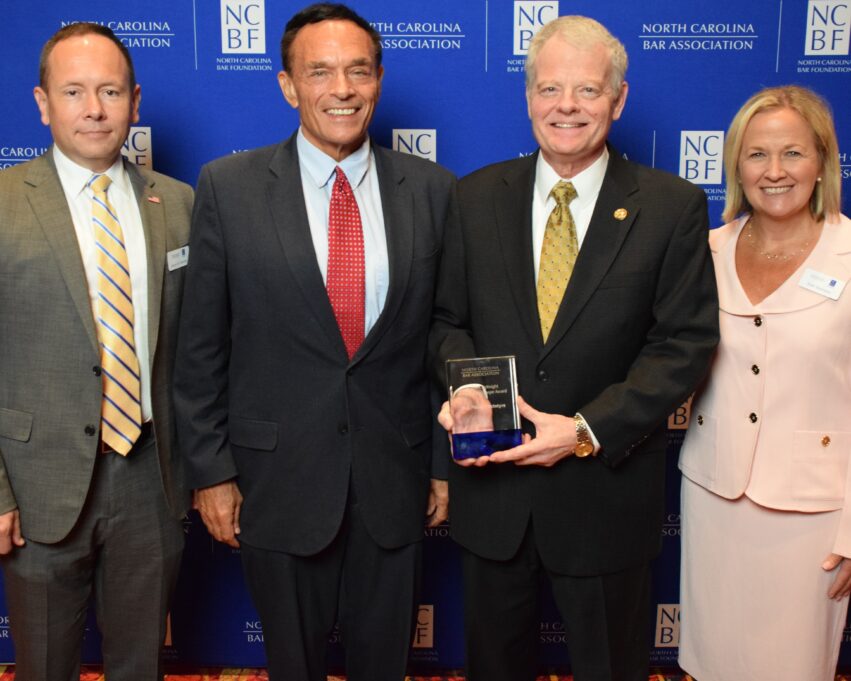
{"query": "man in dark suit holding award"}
pixel 92 256
pixel 595 273
pixel 306 410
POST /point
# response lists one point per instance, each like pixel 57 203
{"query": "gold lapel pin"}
pixel 620 214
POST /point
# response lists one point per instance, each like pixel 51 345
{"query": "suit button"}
pixel 96 370
pixel 757 321
pixel 350 372
pixel 755 369
pixel 543 376
pixel 90 430
pixel 343 429
pixel 753 417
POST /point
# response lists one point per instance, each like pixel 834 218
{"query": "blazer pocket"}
pixel 699 454
pixel 416 432
pixel 16 425
pixel 819 464
pixel 628 280
pixel 252 434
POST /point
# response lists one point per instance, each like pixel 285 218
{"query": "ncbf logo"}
pixel 137 147
pixel 828 27
pixel 419 142
pixel 243 26
pixel 667 625
pixel 529 16
pixel 424 631
pixel 701 156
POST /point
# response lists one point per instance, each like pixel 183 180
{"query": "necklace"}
pixel 777 256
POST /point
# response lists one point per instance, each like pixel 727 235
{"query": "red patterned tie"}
pixel 346 278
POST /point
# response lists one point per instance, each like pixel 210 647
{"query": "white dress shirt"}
pixel 317 181
pixel 74 179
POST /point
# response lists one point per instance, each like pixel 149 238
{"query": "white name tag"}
pixel 177 258
pixel 821 283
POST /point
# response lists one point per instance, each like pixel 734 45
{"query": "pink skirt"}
pixel 753 595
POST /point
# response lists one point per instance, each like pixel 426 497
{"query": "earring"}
pixel 818 179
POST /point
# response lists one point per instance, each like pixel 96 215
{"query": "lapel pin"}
pixel 154 199
pixel 620 214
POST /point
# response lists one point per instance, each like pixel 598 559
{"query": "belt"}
pixel 146 433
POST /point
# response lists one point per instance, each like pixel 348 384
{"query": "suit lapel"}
pixel 513 215
pixel 286 202
pixel 154 227
pixel 397 205
pixel 601 245
pixel 47 200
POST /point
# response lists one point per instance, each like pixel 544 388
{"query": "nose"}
pixel 341 87
pixel 567 101
pixel 775 170
pixel 94 106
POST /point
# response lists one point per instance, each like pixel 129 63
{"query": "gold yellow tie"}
pixel 558 255
pixel 121 412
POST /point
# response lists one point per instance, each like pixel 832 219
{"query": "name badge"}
pixel 177 258
pixel 823 284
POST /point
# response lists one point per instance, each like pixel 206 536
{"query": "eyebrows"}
pixel 324 64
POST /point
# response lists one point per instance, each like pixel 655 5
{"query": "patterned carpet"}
pixel 7 673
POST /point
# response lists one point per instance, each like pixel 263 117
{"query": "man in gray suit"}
pixel 92 250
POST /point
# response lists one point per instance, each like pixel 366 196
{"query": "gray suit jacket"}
pixel 50 388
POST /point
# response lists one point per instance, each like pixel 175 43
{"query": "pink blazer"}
pixel 773 420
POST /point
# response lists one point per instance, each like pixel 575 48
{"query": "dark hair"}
pixel 80 29
pixel 325 11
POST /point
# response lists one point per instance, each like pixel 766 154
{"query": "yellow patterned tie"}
pixel 121 412
pixel 558 255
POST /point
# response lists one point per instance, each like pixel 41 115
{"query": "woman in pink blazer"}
pixel 766 496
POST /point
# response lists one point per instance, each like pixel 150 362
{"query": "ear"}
pixel 288 89
pixel 137 100
pixel 621 101
pixel 41 100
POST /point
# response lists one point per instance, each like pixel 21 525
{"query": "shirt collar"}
pixel 320 167
pixel 586 183
pixel 75 177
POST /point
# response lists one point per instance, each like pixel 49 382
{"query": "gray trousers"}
pixel 125 550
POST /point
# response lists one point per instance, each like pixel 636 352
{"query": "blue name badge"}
pixel 474 445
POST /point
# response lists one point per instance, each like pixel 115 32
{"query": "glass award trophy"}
pixel 483 395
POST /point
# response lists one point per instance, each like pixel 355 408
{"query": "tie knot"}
pixel 341 180
pixel 100 183
pixel 564 192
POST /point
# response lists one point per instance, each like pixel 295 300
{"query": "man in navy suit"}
pixel 306 411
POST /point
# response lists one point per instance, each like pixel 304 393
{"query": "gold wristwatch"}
pixel 584 443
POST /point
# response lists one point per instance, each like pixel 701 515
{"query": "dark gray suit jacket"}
pixel 633 336
pixel 265 390
pixel 50 395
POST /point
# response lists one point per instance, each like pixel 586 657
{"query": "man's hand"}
pixel 841 586
pixel 10 532
pixel 555 438
pixel 219 507
pixel 438 502
pixel 444 418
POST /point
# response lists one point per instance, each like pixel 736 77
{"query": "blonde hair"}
pixel 581 32
pixel 827 195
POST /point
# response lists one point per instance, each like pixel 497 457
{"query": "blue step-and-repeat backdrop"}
pixel 453 92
